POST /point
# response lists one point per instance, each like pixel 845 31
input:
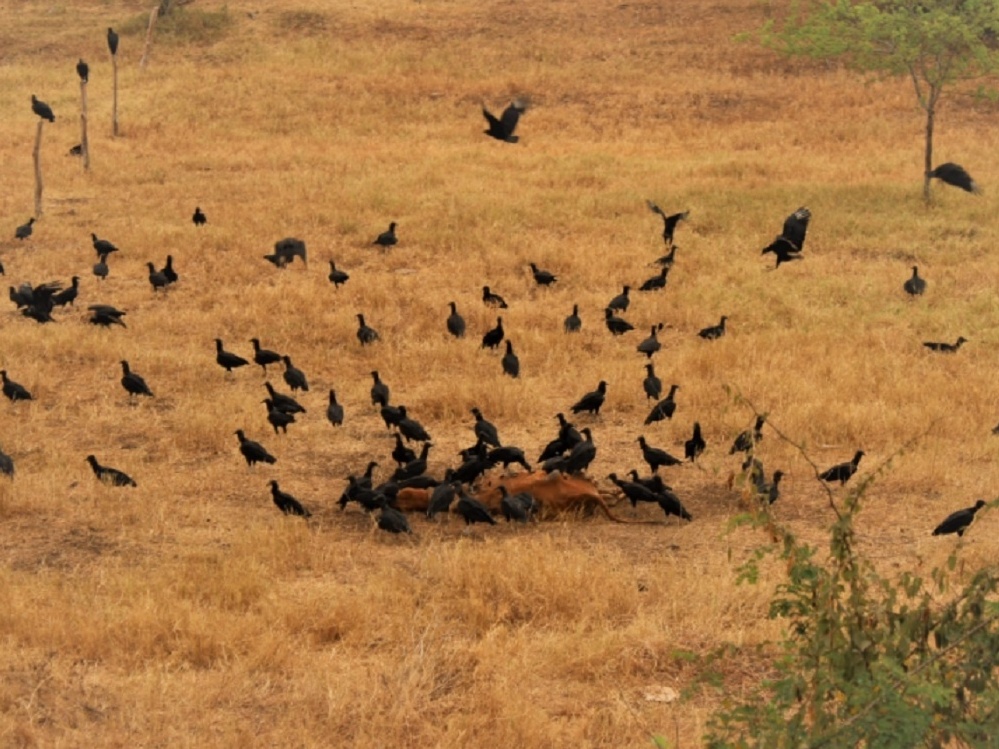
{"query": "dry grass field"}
pixel 189 612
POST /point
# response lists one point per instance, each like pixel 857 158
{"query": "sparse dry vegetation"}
pixel 189 612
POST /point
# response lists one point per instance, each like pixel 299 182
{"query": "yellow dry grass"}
pixel 188 612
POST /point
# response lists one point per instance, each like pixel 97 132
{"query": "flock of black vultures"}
pixel 570 452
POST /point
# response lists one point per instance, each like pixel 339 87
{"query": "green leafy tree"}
pixel 935 43
pixel 869 661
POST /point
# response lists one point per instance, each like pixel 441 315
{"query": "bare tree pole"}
pixel 38 168
pixel 83 125
pixel 149 36
pixel 113 47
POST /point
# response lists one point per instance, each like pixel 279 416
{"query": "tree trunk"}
pixel 928 159
pixel 114 102
pixel 149 35
pixel 83 126
pixel 38 167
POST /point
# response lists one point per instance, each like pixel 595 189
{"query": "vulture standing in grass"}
pixel 133 383
pixel 263 356
pixel 14 390
pixel 199 218
pixel 455 322
pixel 109 475
pixel 494 336
pixel 656 457
pixel 502 128
pixel 714 331
pixel 102 246
pixel 334 411
pixel 842 472
pixel 379 391
pixel 293 376
pixel 24 230
pixel 287 503
pixel 572 323
pixel 252 451
pixel 664 409
pixel 83 70
pixel 511 364
pixel 226 359
pixel 791 241
pixel 693 447
pixel 337 276
pixel 112 41
pixel 955 175
pixel 958 522
pixel 492 300
pixel 616 325
pixel 6 464
pixel 946 348
pixel 387 238
pixel 652 385
pixel 915 286
pixel 592 401
pixel 365 333
pixel 542 277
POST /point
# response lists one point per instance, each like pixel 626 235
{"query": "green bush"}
pixel 869 661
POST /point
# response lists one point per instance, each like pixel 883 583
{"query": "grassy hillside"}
pixel 190 612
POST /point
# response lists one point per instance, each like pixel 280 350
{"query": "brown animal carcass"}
pixel 412 500
pixel 555 493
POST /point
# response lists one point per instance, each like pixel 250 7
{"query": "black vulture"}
pixel 651 345
pixel 106 315
pixel 621 301
pixel 287 503
pixel 656 456
pixel 672 505
pixel 24 230
pixel 955 174
pixel 492 300
pixel 6 464
pixel 580 457
pixel 746 440
pixel 664 409
pixel 293 376
pixel 443 495
pixel 506 455
pixel 391 520
pixel 958 522
pixel 511 364
pixel 69 294
pixel 286 250
pixel 791 240
pixel 76 150
pixel 42 109
pixel 254 452
pixel 521 507
pixel 157 279
pixel 713 331
pixel 656 282
pixel 400 453
pixel 411 429
pixel 502 128
pixel 416 467
pixel 666 260
pixel 693 447
pixel 843 471
pixel 770 492
pixel 337 276
pixel 334 410
pixel 572 323
pixel 592 401
pixel 455 322
pixel 473 511
pixel 485 430
pixel 365 333
pixel 616 325
pixel 14 390
pixel 379 391
pixel 947 348
pixel 542 277
pixel 494 336
pixel 133 383
pixel 283 402
pixel 633 491
pixel 83 70
pixel 669 222
pixel 168 270
pixel 112 41
pixel 199 218
pixel 277 418
pixel 387 238
pixel 391 415
pixel 109 475
pixel 227 360
pixel 652 385
pixel 263 356
pixel 101 269
pixel 914 286
pixel 102 246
